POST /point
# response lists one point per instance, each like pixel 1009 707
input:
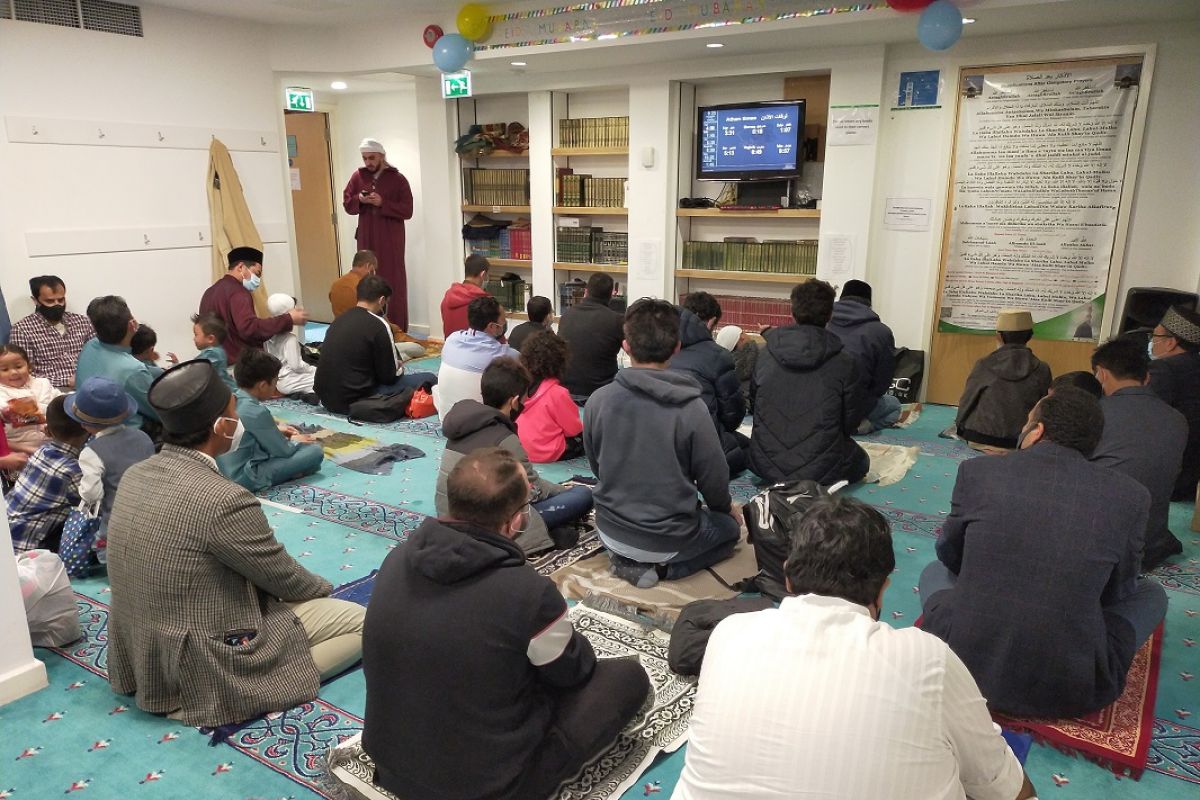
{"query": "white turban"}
pixel 280 304
pixel 728 336
pixel 371 146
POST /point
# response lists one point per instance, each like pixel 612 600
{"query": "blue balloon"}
pixel 452 52
pixel 940 25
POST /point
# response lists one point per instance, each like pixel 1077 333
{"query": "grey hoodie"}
pixel 651 444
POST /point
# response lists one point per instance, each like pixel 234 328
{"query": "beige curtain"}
pixel 232 225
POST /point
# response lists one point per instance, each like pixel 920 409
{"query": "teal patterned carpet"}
pixel 76 738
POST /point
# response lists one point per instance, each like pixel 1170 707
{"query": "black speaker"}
pixel 768 194
pixel 1145 306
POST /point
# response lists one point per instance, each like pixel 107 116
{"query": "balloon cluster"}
pixel 452 51
pixel 941 22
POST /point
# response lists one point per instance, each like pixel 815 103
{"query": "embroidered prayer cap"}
pixel 248 255
pixel 1182 324
pixel 99 402
pixel 280 304
pixel 189 397
pixel 728 337
pixel 372 146
pixel 858 289
pixel 1009 320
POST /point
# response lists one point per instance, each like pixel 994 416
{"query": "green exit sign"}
pixel 456 84
pixel 299 99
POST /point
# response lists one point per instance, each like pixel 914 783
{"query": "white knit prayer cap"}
pixel 372 146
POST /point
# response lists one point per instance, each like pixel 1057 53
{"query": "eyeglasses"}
pixel 524 512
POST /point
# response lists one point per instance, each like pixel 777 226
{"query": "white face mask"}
pixel 1150 348
pixel 235 440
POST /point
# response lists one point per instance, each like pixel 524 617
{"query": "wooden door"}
pixel 312 204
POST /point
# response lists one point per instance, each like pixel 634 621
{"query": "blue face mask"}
pixel 252 283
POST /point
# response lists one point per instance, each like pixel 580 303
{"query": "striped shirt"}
pixel 53 353
pixel 816 699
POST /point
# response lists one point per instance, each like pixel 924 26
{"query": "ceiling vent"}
pixel 92 15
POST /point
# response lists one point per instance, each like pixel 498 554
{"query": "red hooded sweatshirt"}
pixel 454 306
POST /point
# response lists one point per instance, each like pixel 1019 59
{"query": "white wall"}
pixel 188 70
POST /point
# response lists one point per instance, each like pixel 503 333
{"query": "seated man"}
pixel 212 622
pixel 1003 386
pixel 839 683
pixel 712 367
pixel 52 336
pixel 343 296
pixel 1175 377
pixel 872 343
pixel 593 332
pixel 230 298
pixel 541 318
pixel 1143 438
pixel 651 445
pixel 805 395
pixel 466 353
pixel 472 424
pixel 502 698
pixel 109 356
pixel 357 357
pixel 266 453
pixel 460 295
pixel 1036 584
pixel 1078 379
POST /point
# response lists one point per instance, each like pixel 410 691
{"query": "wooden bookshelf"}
pixel 589 211
pixel 495 154
pixel 516 315
pixel 571 266
pixel 519 263
pixel 589 151
pixel 772 213
pixel 467 207
pixel 750 277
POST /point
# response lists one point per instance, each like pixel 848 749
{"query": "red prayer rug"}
pixel 1118 737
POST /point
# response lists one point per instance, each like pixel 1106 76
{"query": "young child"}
pixel 296 375
pixel 265 456
pixel 142 346
pixel 101 407
pixel 549 425
pixel 23 400
pixel 48 488
pixel 208 333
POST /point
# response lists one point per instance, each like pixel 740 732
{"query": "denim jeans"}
pixel 565 507
pixel 713 543
pixel 885 413
pixel 406 381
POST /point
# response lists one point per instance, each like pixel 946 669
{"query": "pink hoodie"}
pixel 550 416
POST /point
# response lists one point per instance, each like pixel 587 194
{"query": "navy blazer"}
pixel 1042 541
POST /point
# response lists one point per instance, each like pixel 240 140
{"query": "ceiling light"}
pixel 517 63
pixel 339 85
pixel 714 45
pixel 968 20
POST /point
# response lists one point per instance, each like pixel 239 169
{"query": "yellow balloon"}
pixel 473 22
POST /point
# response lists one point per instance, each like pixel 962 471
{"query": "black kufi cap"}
pixel 189 397
pixel 247 254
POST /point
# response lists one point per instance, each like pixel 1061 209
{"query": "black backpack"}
pixel 908 376
pixel 768 522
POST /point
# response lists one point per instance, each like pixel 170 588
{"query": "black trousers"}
pixel 586 721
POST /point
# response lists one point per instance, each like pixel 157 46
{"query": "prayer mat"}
pixel 1117 737
pixel 909 413
pixel 661 728
pixel 890 462
pixel 592 576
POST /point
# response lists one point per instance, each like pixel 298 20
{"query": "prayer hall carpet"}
pixel 76 738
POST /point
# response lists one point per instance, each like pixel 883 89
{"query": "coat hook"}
pixel 101 132
pixel 262 141
pixel 161 138
pixel 146 237
pixel 36 132
pixel 202 236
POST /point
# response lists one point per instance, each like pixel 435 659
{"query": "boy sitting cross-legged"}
pixel 48 487
pixel 266 453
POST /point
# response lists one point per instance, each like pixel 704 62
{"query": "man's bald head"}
pixel 487 488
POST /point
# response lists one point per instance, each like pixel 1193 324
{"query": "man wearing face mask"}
pixel 229 298
pixel 1175 377
pixel 51 335
pixel 1036 584
pixel 466 354
pixel 212 622
pixel 358 358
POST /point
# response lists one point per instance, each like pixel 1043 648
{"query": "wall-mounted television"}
pixel 750 141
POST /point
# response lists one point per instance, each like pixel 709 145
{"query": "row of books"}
pixel 594 132
pixel 571 292
pixel 515 242
pixel 512 293
pixel 586 191
pixel 739 255
pixel 591 245
pixel 750 312
pixel 496 187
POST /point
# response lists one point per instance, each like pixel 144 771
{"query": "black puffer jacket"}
pixel 712 366
pixel 805 391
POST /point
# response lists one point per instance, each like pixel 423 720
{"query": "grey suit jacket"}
pixel 194 563
pixel 1144 439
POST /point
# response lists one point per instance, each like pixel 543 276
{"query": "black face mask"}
pixel 52 313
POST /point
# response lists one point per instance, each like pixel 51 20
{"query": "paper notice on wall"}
pixel 907 213
pixel 835 257
pixel 852 125
pixel 295 173
pixel 646 259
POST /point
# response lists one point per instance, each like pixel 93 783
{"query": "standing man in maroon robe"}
pixel 229 298
pixel 379 195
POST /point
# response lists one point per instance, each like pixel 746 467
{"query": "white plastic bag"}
pixel 49 602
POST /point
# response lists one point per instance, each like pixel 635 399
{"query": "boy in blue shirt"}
pixel 265 454
pixel 208 334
